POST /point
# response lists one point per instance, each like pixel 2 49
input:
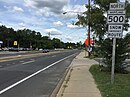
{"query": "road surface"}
pixel 33 76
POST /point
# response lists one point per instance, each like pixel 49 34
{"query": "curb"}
pixel 62 83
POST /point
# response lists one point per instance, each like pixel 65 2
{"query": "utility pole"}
pixel 49 34
pixel 89 26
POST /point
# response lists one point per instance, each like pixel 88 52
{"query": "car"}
pixel 45 51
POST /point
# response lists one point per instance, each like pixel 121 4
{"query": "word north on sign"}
pixel 117 6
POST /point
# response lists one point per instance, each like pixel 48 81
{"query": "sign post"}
pixel 115 21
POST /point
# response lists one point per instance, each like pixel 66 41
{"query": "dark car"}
pixel 45 51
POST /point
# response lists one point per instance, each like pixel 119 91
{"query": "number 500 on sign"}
pixel 116 19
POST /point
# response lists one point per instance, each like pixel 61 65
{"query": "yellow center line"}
pixel 10 58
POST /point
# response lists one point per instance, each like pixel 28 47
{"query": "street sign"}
pixel 15 43
pixel 86 42
pixel 115 28
pixel 114 35
pixel 116 12
pixel 115 19
pixel 117 6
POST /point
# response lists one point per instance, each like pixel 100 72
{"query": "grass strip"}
pixel 120 88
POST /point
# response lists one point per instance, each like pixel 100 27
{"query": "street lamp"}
pixel 73 12
pixel 87 24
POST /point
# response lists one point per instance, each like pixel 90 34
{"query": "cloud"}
pixel 1 24
pixel 73 26
pixel 13 9
pixel 68 38
pixel 17 9
pixel 22 24
pixel 72 11
pixel 53 31
pixel 58 23
pixel 48 7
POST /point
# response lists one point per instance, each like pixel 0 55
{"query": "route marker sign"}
pixel 116 17
pixel 116 12
pixel 115 31
pixel 115 20
pixel 117 6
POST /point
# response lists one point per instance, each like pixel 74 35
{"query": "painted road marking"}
pixel 28 62
pixel 30 76
pixel 54 56
pixel 8 64
pixel 21 61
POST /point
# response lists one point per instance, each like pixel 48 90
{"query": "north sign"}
pixel 117 6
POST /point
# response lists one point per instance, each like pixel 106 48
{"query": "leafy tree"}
pixel 98 23
pixel 121 50
pixel 56 43
pixel 27 38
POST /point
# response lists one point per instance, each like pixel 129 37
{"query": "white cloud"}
pixel 17 9
pixel 49 7
pixel 73 26
pixel 73 11
pixel 22 24
pixel 0 24
pixel 53 31
pixel 68 38
pixel 58 23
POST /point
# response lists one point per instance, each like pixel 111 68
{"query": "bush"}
pixel 121 50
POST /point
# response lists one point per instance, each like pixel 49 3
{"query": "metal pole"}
pixel 113 60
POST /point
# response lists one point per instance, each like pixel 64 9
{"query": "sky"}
pixel 45 16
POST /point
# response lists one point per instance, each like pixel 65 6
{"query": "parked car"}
pixel 45 51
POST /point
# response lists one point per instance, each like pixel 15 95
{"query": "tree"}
pixel 122 47
pixel 97 18
pixel 98 23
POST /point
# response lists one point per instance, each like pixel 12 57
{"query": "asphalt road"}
pixel 33 76
pixel 15 53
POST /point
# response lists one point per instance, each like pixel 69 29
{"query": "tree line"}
pixel 27 38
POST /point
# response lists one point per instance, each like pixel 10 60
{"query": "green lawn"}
pixel 120 88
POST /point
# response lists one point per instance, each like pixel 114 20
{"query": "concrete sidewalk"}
pixel 79 81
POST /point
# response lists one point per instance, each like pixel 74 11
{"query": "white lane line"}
pixel 8 64
pixel 54 56
pixel 28 77
pixel 21 61
pixel 19 55
pixel 28 62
